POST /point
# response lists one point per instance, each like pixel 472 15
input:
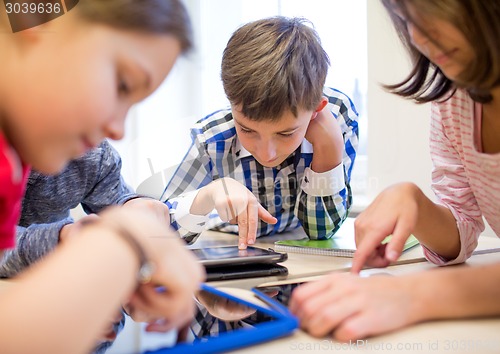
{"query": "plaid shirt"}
pixel 291 192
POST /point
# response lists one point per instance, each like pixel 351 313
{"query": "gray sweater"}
pixel 94 181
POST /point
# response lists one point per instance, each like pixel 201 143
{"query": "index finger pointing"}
pixel 370 241
pixel 242 229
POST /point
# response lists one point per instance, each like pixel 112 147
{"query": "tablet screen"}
pixel 280 293
pixel 231 255
pixel 231 319
pixel 216 315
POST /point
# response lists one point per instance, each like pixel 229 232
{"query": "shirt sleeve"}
pixel 186 220
pixel 109 187
pixel 325 198
pixel 193 173
pixel 451 186
pixel 94 180
pixel 33 243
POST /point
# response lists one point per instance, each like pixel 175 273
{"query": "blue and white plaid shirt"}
pixel 291 192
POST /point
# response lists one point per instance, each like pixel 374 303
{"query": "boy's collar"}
pixel 240 152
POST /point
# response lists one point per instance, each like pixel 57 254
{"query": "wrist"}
pixel 324 160
pixel 145 265
pixel 63 233
pixel 327 154
pixel 432 295
pixel 424 206
pixel 419 298
pixel 203 202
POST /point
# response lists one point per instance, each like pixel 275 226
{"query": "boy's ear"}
pixel 322 104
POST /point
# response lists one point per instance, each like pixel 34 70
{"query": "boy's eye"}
pixel 286 135
pixel 246 131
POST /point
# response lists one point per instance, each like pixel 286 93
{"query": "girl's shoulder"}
pixel 458 106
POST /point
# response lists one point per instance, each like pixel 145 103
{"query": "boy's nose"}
pixel 115 128
pixel 267 151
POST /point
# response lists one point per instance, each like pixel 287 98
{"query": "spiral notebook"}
pixel 340 245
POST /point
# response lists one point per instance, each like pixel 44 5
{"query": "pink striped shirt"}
pixel 465 179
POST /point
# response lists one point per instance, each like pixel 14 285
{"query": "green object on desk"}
pixel 336 246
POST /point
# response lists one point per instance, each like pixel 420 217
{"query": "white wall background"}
pixel 398 129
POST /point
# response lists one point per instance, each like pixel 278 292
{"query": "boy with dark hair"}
pixel 282 155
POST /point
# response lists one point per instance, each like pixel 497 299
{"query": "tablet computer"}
pixel 229 319
pixel 280 292
pixel 231 255
pixel 245 271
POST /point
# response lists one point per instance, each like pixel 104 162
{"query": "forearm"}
pixel 203 202
pixel 108 186
pixel 457 292
pixel 328 152
pixel 436 227
pixel 63 309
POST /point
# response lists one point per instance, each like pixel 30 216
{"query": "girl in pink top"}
pixel 455 48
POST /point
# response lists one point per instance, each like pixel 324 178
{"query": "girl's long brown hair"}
pixel 479 22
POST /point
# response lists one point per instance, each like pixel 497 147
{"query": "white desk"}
pixel 305 265
pixel 482 336
pixel 465 336
pixel 457 337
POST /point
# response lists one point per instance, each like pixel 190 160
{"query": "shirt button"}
pixel 282 210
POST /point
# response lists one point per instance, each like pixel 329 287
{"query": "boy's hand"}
pixel 234 203
pixel 175 267
pixel 155 207
pixel 325 135
pixel 154 322
pixel 109 334
pixel 69 230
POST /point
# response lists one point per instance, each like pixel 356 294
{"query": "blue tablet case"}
pixel 282 323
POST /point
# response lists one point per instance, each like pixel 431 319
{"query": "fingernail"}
pixel 242 246
pixel 392 256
